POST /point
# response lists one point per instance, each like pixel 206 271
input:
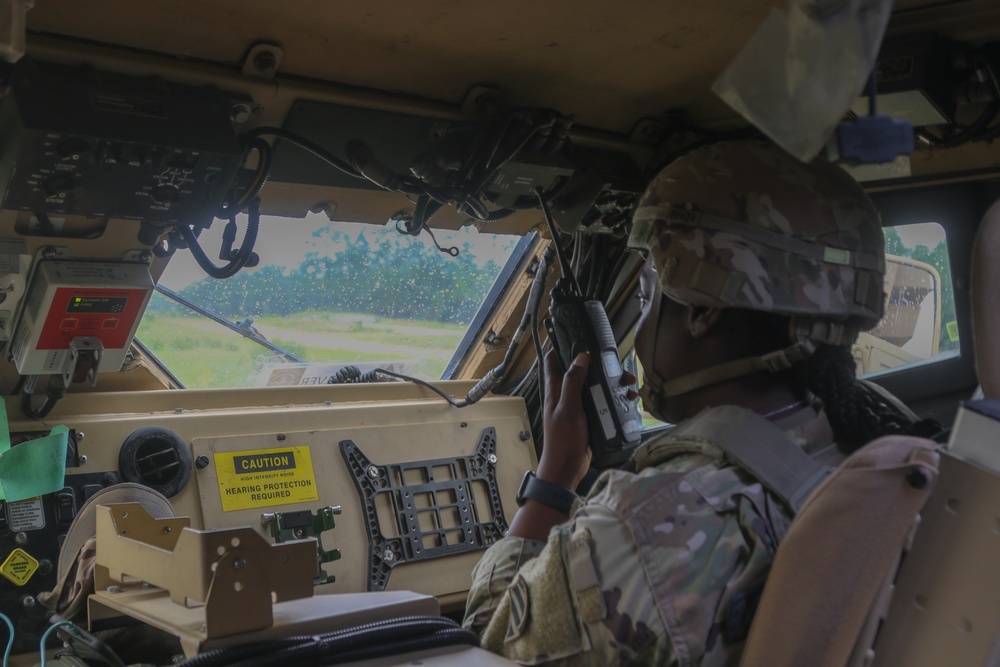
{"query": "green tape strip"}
pixel 32 468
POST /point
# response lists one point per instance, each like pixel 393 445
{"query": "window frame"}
pixel 957 210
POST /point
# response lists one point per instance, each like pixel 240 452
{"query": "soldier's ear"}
pixel 702 320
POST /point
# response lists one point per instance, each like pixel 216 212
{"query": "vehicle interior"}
pixel 275 282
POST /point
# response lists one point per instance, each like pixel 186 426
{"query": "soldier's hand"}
pixel 566 452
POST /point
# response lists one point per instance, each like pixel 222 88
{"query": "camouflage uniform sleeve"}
pixel 657 568
pixel 574 600
pixel 493 575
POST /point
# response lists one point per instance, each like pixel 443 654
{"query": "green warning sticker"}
pixel 265 477
pixel 952 331
pixel 18 567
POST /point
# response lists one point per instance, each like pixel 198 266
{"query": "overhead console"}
pixel 78 141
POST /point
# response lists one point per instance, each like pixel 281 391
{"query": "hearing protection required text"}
pixel 265 477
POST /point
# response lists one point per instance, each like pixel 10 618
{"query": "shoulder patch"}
pixel 519 609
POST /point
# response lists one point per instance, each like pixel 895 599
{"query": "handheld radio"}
pixel 577 324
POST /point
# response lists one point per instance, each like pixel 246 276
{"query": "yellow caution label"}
pixel 265 477
pixel 952 330
pixel 19 567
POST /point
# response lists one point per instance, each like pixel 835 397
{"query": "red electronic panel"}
pixel 107 314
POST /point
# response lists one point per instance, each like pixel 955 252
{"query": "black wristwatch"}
pixel 546 493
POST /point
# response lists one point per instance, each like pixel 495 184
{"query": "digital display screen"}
pixel 97 304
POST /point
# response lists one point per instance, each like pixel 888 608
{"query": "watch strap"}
pixel 546 493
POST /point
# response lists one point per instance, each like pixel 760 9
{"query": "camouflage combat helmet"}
pixel 746 225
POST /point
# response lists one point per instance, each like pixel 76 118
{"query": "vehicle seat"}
pixel 832 579
pixel 839 552
pixel 985 310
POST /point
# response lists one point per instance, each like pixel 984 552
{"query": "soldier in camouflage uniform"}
pixel 770 267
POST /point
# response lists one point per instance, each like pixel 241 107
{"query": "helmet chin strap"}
pixel 773 362
pixel 656 390
pixel 651 393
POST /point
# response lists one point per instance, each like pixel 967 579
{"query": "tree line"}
pixel 399 278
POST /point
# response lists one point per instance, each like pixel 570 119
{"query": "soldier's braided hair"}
pixel 857 413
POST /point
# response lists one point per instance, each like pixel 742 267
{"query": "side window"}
pixel 919 322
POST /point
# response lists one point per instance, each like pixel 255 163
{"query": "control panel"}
pixel 83 142
pixel 97 303
pixel 31 534
pixel 419 489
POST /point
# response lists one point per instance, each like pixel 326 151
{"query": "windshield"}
pixel 329 294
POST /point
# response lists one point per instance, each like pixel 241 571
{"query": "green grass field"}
pixel 202 353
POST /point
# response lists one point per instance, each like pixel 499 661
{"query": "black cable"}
pixel 437 639
pixel 422 214
pixel 227 656
pixel 872 91
pixel 307 145
pixel 53 394
pixel 243 256
pixel 345 375
pixel 388 637
pixel 19 385
pixel 966 135
pixel 262 173
pixel 451 250
pixel 422 383
pixel 567 270
pixel 85 646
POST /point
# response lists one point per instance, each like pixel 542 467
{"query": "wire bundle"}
pixel 401 635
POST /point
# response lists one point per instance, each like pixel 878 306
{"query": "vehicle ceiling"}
pixel 606 65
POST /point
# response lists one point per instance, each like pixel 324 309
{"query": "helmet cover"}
pixel 746 225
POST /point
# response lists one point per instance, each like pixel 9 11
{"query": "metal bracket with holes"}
pixel 151 569
pixel 434 516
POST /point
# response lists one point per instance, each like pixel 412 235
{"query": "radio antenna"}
pixel 564 267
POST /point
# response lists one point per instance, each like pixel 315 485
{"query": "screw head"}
pixel 167 530
pixel 201 462
pixel 524 436
pixel 373 472
pixel 80 435
pixel 21 538
pixel 492 458
pixel 241 113
pixel 83 459
pixel 280 437
pixel 916 477
pixel 145 257
pixel 28 601
pixel 388 556
pixel 239 564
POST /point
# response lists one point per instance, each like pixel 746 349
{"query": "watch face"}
pixel 520 498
